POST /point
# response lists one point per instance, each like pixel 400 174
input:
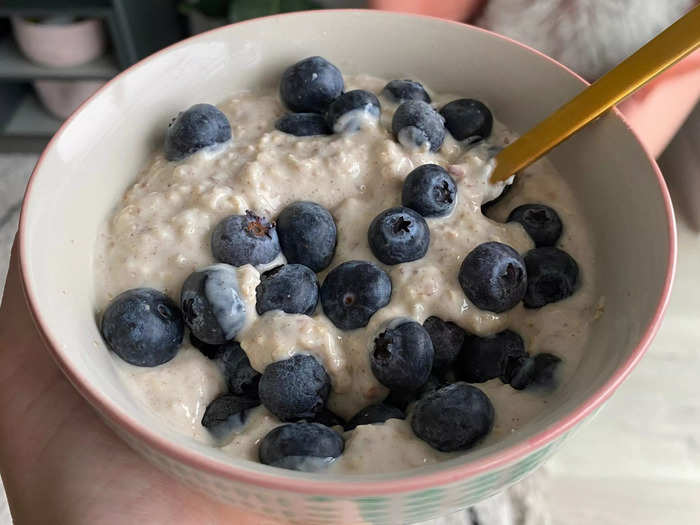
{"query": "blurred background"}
pixel 639 463
pixel 56 53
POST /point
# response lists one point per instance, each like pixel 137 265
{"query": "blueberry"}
pixel 303 124
pixel 416 123
pixel 546 366
pixel 211 304
pixel 328 418
pixel 402 356
pixel 372 414
pixel 540 222
pixel 467 119
pixel 484 358
pixel 402 90
pixel 485 207
pixel 401 398
pixel 447 339
pixel 292 288
pixel 306 447
pixel 453 418
pixel 143 326
pixel 307 234
pixel 349 112
pixel 429 190
pixel 512 364
pixel 294 389
pixel 201 126
pixel 210 351
pixel 536 372
pixel 352 292
pixel 493 277
pixel 245 239
pixel 551 276
pixel 241 378
pixel 311 85
pixel 227 413
pixel 398 235
pixel 431 385
pixel 519 372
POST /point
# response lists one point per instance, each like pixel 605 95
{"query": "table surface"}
pixel 637 463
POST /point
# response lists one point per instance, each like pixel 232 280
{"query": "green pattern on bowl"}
pixel 321 509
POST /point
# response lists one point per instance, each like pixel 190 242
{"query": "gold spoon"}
pixel 666 49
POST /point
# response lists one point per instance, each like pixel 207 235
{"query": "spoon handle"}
pixel 666 49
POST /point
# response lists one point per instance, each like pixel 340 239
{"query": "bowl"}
pixel 100 150
pixel 60 42
pixel 63 97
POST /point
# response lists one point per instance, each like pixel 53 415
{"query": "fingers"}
pixel 12 286
pixel 16 325
pixel 17 330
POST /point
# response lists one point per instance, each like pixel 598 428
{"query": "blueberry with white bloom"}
pixel 211 304
pixel 416 124
pixel 352 110
pixel 201 126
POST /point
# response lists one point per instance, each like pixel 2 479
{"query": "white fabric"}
pixel 590 36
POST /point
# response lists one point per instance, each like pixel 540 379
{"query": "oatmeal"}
pixel 161 231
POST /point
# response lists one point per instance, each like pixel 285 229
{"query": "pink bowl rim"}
pixel 351 488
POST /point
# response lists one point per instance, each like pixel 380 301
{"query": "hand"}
pixel 59 462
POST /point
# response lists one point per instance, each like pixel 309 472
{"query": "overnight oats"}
pixel 322 278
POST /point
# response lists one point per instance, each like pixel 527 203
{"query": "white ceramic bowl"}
pixel 99 151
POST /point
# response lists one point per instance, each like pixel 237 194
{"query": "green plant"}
pixel 237 10
pixel 211 8
pixel 246 9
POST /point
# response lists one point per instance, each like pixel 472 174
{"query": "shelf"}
pixel 14 66
pixel 31 120
pixel 51 7
pixel 136 28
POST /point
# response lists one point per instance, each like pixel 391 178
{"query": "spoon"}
pixel 679 40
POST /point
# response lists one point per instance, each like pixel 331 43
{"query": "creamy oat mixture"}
pixel 160 233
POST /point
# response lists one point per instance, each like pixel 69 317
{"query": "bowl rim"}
pixel 397 482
